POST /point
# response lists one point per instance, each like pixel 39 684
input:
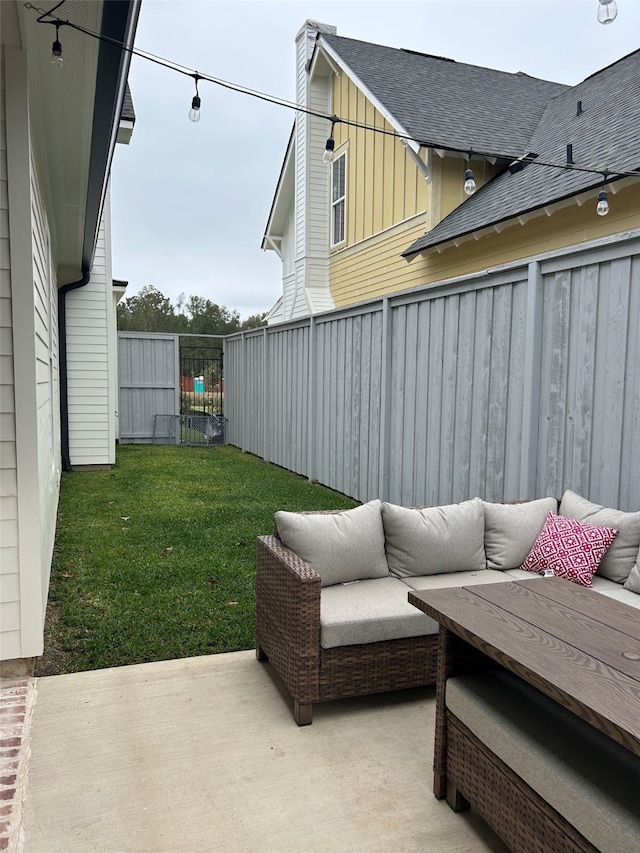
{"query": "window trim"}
pixel 336 203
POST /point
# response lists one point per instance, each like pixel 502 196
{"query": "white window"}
pixel 338 199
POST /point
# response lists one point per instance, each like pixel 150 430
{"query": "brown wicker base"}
pixel 513 810
pixel 288 634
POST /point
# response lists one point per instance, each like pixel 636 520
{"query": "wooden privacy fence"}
pixel 519 382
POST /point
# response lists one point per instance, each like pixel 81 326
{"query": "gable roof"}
pixel 604 135
pixel 446 104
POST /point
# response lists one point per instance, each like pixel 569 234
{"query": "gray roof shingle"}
pixel 127 113
pixel 448 104
pixel 605 136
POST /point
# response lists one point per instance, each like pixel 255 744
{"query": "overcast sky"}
pixel 190 201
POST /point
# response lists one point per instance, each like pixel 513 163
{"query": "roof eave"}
pixel 279 195
pixel 119 22
pixel 520 218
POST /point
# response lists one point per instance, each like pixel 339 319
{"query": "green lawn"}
pixel 155 559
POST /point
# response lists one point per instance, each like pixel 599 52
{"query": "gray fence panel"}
pixel 149 382
pixel 234 382
pixel 457 396
pixel 590 404
pixel 288 392
pixel 517 383
pixel 347 386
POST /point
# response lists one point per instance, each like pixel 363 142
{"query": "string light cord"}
pixel 612 174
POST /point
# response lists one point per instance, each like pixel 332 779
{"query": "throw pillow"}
pixel 573 549
pixel 511 529
pixel 341 546
pixel 434 540
pixel 621 556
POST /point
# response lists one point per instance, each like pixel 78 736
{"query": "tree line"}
pixel 151 311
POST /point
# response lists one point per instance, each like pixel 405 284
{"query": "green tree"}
pixel 207 318
pixel 254 321
pixel 151 311
pixel 147 311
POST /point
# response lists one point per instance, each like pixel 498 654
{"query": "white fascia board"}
pixel 281 196
pixel 336 59
pixel 332 66
pixel 125 131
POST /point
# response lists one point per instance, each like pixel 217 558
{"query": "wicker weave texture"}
pixel 515 811
pixel 288 633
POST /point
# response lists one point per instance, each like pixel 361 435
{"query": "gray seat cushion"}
pixel 457 579
pixel 623 594
pixel 370 611
pixel 591 780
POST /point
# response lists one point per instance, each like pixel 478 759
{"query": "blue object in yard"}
pixel 198 384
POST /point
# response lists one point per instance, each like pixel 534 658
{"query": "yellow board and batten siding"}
pixel 386 201
pixel 569 226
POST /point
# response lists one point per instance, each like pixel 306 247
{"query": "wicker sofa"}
pixel 332 614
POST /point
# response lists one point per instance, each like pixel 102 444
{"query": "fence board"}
pixel 149 382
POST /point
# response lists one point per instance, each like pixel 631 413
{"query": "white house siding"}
pixel 29 399
pixel 10 646
pixel 89 310
pixel 47 384
pixel 310 228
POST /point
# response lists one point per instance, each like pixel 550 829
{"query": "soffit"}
pixel 61 110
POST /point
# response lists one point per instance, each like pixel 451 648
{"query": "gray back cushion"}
pixel 434 540
pixel 633 581
pixel 511 529
pixel 622 554
pixel 342 546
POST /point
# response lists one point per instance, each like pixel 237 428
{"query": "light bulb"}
pixel 56 54
pixel 194 112
pixel 328 155
pixel 603 205
pixel 469 183
pixel 607 11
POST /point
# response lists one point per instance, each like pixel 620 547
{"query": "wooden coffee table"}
pixel 579 647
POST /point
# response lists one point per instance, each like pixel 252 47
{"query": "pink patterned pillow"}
pixel 573 549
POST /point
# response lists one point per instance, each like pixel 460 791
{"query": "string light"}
pixel 194 112
pixel 469 181
pixel 56 51
pixel 328 155
pixel 165 63
pixel 607 11
pixel 602 208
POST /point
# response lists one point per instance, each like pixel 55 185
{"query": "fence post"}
pixel 243 392
pixel 312 429
pixel 531 396
pixel 266 398
pixel 385 402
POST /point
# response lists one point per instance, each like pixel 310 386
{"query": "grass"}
pixel 155 559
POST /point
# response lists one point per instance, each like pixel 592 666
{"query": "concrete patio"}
pixel 203 754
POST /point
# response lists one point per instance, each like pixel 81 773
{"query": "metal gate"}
pixel 201 393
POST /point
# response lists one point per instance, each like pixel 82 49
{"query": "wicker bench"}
pixel 302 618
pixel 288 634
pixel 511 751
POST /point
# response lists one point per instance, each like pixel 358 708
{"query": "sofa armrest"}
pixel 288 616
